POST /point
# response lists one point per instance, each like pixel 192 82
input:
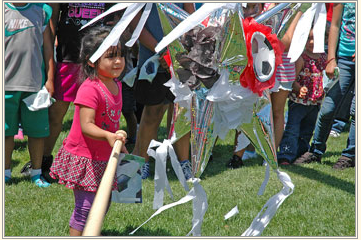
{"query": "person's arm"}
pixel 189 8
pixel 88 127
pixel 333 39
pixel 296 86
pixel 287 38
pixel 48 54
pixel 54 19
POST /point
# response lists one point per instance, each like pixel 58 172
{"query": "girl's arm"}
pixel 54 19
pixel 88 127
pixel 333 38
pixel 49 60
pixel 297 88
pixel 287 38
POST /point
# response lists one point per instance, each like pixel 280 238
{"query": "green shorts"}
pixel 34 123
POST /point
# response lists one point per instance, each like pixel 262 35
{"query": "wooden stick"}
pixel 97 212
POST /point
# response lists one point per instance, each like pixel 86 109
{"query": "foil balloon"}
pixel 202 138
pixel 280 17
pixel 260 130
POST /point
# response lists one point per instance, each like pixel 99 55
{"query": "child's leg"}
pixel 289 142
pixel 9 147
pixel 307 127
pixel 278 105
pixel 83 203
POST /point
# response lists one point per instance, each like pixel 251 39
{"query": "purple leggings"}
pixel 83 203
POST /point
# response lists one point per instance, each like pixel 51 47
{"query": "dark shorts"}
pixel 153 93
pixel 129 103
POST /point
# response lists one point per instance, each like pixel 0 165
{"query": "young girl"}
pixel 83 157
pixel 304 104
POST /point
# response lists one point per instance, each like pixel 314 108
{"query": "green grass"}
pixel 322 204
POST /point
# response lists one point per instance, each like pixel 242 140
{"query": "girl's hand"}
pixel 112 137
pixel 303 92
pixel 330 68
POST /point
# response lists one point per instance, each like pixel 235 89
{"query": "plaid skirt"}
pixel 77 172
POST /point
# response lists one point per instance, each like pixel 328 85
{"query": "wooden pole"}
pixel 97 212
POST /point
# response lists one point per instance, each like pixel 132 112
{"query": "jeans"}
pixel 298 132
pixel 349 151
pixel 330 105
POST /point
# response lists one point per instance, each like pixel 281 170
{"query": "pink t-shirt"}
pixel 94 94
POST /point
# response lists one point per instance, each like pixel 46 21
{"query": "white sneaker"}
pixel 248 155
pixel 334 134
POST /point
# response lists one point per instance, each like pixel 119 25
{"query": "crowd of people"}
pixel 100 97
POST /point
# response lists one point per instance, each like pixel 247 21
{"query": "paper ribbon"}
pixel 200 205
pixel 265 181
pixel 160 177
pixel 191 21
pixel 117 30
pixel 316 13
pixel 231 213
pixel 141 23
pixel 262 219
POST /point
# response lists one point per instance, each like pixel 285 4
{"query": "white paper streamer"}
pixel 116 7
pixel 262 219
pixel 117 30
pixel 200 205
pixel 191 21
pixel 303 28
pixel 231 213
pixel 141 23
pixel 160 177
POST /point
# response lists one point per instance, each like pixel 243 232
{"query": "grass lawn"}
pixel 322 204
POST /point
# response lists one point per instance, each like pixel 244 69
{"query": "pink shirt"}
pixel 94 94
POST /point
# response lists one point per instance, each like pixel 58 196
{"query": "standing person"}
pixel 65 23
pixel 341 45
pixel 155 96
pixel 83 157
pixel 28 47
pixel 303 104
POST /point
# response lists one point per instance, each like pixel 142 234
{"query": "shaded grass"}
pixel 322 204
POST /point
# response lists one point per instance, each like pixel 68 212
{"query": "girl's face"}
pixel 309 44
pixel 252 10
pixel 111 64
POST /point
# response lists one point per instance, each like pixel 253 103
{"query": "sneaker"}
pixel 308 157
pixel 249 154
pixel 334 134
pixel 20 135
pixel 235 162
pixel 45 167
pixel 26 170
pixel 145 170
pixel 7 179
pixel 186 168
pixel 344 162
pixel 40 181
pixel 283 161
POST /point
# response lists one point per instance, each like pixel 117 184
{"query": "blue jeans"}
pixel 298 132
pixel 349 151
pixel 330 105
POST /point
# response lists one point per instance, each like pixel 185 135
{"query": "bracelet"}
pixel 329 61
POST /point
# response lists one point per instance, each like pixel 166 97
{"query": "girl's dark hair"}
pixel 90 42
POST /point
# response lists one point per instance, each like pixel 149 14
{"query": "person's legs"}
pixel 57 112
pixel 83 203
pixel 278 105
pixel 307 127
pixel 148 128
pixel 330 105
pixel 9 148
pixel 289 143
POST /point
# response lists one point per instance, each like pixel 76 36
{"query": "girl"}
pixel 304 104
pixel 82 159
